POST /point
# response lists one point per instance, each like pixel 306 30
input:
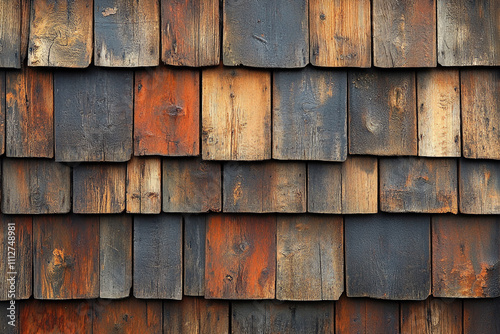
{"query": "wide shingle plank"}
pixel 194 255
pixel 10 33
pixel 479 187
pixel 144 185
pixel 433 315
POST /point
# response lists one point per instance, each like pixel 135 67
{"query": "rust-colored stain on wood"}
pixel 479 187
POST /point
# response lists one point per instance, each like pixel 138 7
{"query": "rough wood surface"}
pixel 349 187
pixel 479 187
pixel 194 255
pixel 466 257
pixel 115 256
pixel 481 316
pixel 404 33
pixel 468 32
pixel 144 185
pixel 264 187
pixel 195 316
pixel 167 112
pixel 5 317
pixel 310 115
pixel 236 114
pixel 99 188
pixel 35 186
pixel 66 257
pixel 340 33
pixel 438 99
pixel 240 258
pixel 382 112
pixel 191 185
pixel 126 33
pixel 418 185
pixel 310 257
pixel 10 33
pixel 266 33
pixel 3 108
pixel 433 315
pixel 190 32
pixel 399 263
pixel 93 115
pixel 25 27
pixel 158 257
pixel 480 90
pixel 60 33
pixel 30 113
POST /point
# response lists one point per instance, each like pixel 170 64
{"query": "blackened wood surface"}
pixel 61 33
pixel 310 115
pixel 310 257
pixel 115 256
pixel 126 33
pixel 34 186
pixel 276 317
pixel 465 256
pixel 167 112
pixel 480 90
pixel 144 185
pixel 194 255
pixel 6 317
pixel 190 32
pixel 481 316
pixel 99 188
pixel 240 260
pixel 479 187
pixel 30 113
pixel 418 185
pixel 236 114
pixel 468 32
pixel 2 112
pixel 158 256
pixel 266 33
pixel 404 33
pixel 66 257
pixel 382 112
pixel 433 315
pixel 264 187
pixel 10 33
pixel 16 245
pixel 195 316
pixel 340 33
pixel 387 256
pixel 93 115
pixel 25 27
pixel 191 185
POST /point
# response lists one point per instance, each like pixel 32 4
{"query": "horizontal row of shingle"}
pixel 200 316
pixel 224 256
pixel 280 33
pixel 308 114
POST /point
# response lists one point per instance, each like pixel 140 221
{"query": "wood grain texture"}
pixel 382 112
pixel 127 316
pixel 433 315
pixel 310 257
pixel 481 316
pixel 348 187
pixel 25 27
pixel 266 33
pixel 61 33
pixel 158 256
pixel 3 108
pixel 479 187
pixel 240 260
pixel 399 265
pixel 190 32
pixel 363 315
pixel 438 99
pixel 194 255
pixel 6 318
pixel 144 185
pixel 195 316
pixel 404 33
pixel 16 261
pixel 10 33
pixel 480 92
pixel 66 257
pixel 126 33
pixel 340 33
pixel 93 115
pixel 99 188
pixel 465 257
pixel 167 112
pixel 275 317
pixel 468 32
pixel 30 113
pixel 264 187
pixel 115 256
pixel 310 115
pixel 35 186
pixel 236 114
pixel 191 185
pixel 418 185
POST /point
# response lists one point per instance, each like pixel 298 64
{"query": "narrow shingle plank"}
pixel 481 316
pixel 433 315
pixel 9 322
pixel 144 185
pixel 479 187
pixel 194 255
pixel 10 33
pixel 3 108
